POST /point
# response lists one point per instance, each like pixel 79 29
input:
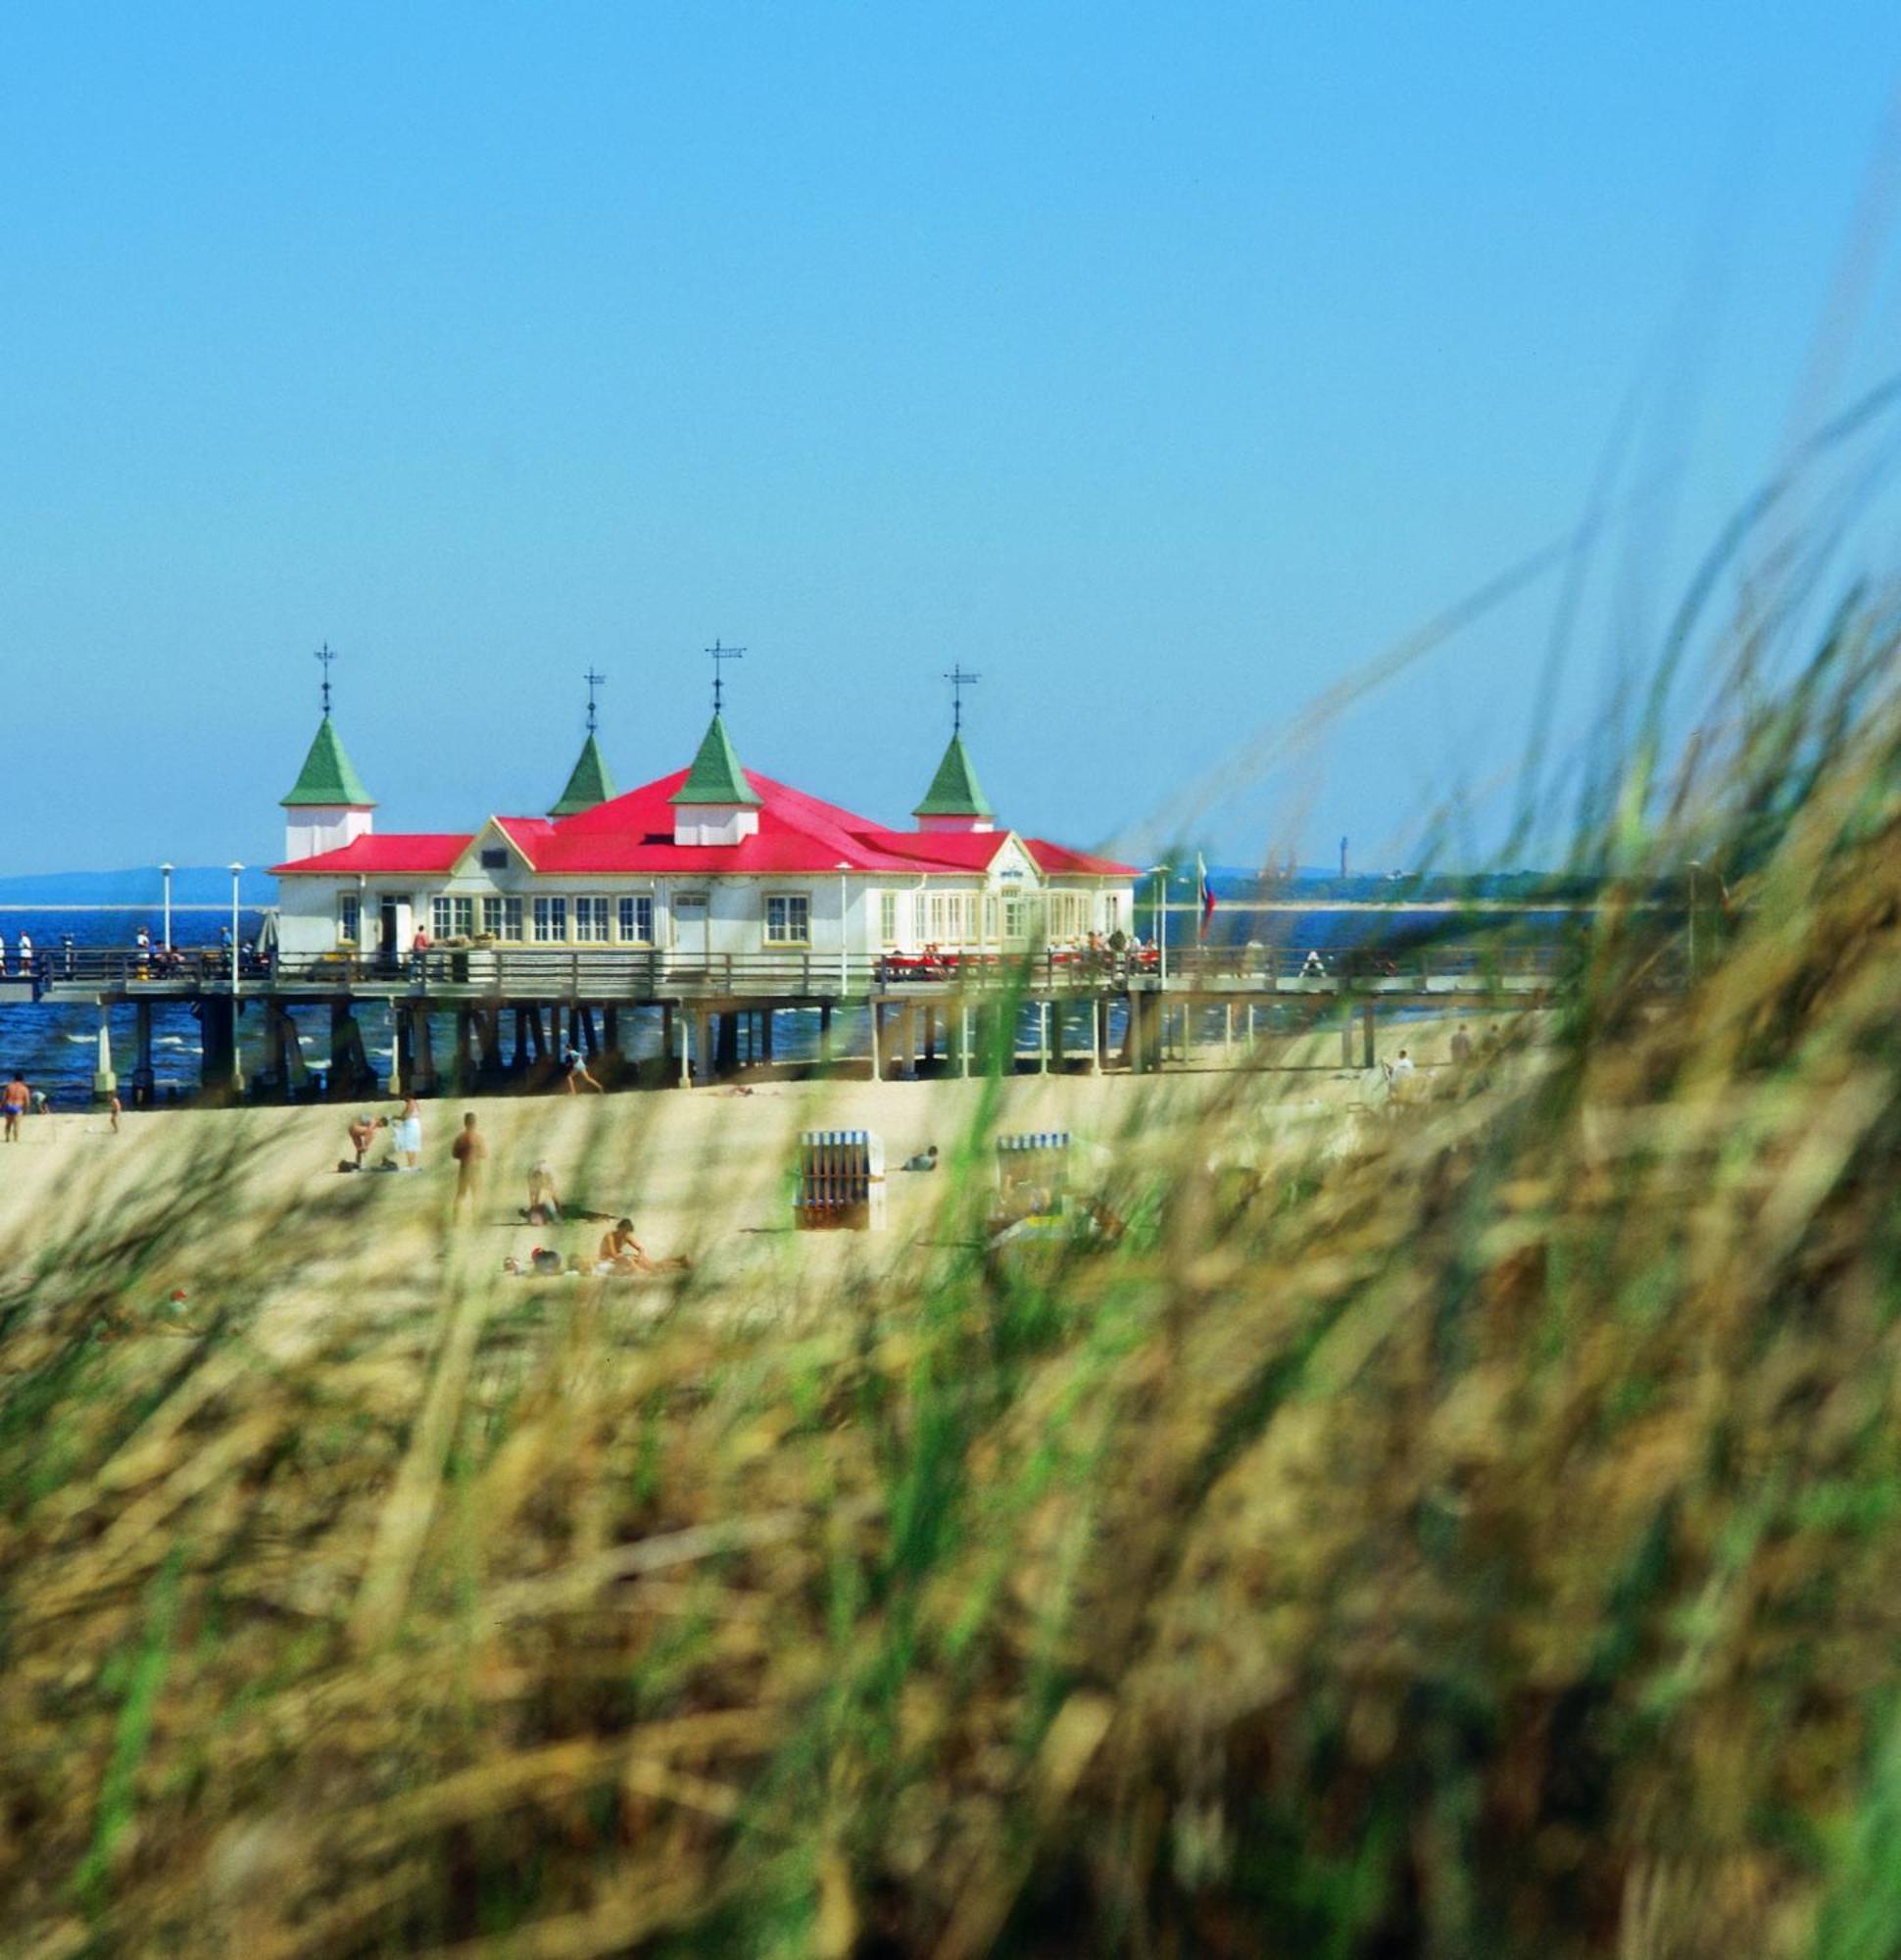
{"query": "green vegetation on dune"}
pixel 1473 1533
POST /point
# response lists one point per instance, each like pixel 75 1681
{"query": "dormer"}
pixel 327 806
pixel 955 800
pixel 715 804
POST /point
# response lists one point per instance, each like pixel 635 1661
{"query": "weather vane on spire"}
pixel 326 656
pixel 959 681
pixel 593 680
pixel 716 653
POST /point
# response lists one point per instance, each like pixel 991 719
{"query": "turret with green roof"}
pixel 716 777
pixel 327 780
pixel 588 784
pixel 956 798
pixel 327 806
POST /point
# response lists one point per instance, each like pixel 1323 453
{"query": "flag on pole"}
pixel 1207 894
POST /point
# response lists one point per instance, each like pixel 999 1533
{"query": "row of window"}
pixel 561 919
pixel 936 918
pixel 557 918
pixel 970 919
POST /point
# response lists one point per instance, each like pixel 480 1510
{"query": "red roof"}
pixel 417 851
pixel 634 834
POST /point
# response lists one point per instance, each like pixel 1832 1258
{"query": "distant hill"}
pixel 191 885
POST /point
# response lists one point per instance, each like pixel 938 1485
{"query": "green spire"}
pixel 955 790
pixel 590 783
pixel 716 775
pixel 326 776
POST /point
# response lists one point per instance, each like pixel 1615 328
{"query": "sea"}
pixel 56 1045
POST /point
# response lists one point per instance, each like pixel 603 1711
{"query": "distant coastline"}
pixel 119 906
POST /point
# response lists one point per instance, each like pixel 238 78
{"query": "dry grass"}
pixel 1480 1539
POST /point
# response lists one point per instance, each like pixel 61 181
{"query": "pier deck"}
pixel 920 1009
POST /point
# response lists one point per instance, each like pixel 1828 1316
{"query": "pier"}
pixel 716 1017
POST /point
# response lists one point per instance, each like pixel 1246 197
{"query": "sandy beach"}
pixel 702 1172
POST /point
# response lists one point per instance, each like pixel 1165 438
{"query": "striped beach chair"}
pixel 1036 1161
pixel 840 1181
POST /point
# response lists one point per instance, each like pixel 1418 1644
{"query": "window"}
pixel 637 921
pixel 495 860
pixel 591 920
pixel 788 919
pixel 888 919
pixel 349 920
pixel 946 917
pixel 502 918
pixel 1112 913
pixel 1013 909
pixel 451 919
pixel 1068 914
pixel 550 921
pixel 990 916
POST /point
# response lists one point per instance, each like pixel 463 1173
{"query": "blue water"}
pixel 55 1046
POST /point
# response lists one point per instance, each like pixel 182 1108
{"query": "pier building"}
pixel 710 861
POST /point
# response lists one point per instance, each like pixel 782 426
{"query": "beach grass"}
pixel 1465 1525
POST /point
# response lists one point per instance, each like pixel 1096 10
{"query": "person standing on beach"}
pixel 114 1110
pixel 25 956
pixel 408 1134
pixel 471 1151
pixel 14 1100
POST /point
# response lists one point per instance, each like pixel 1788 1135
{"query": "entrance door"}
pixel 692 924
pixel 386 946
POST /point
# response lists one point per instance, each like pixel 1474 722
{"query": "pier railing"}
pixel 637 974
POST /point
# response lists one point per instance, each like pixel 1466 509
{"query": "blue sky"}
pixel 1161 364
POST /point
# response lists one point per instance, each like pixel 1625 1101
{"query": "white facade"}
pixel 1010 908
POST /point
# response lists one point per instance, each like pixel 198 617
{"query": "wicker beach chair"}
pixel 840 1181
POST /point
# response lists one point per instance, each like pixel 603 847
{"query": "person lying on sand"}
pixel 621 1253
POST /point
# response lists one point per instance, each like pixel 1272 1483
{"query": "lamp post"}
pixel 237 1070
pixel 165 872
pixel 1160 872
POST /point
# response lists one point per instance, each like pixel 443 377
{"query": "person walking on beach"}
pixel 1461 1044
pixel 114 1110
pixel 470 1152
pixel 13 1102
pixel 408 1134
pixel 575 1071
